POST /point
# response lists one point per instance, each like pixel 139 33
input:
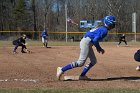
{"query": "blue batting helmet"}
pixel 109 21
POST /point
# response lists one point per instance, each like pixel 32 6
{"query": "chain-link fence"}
pixel 59 36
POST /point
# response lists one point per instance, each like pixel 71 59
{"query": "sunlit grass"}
pixel 62 43
pixel 70 91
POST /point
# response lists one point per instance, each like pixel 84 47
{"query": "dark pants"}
pixel 16 46
pixel 120 41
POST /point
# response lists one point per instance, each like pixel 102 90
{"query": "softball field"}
pixel 115 69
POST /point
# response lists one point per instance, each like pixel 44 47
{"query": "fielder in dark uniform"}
pixel 122 39
pixel 20 42
pixel 137 55
pixel 137 58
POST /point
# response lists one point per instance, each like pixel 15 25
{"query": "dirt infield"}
pixel 115 69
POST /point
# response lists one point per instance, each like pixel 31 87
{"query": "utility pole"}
pixel 66 16
pixel 34 17
pixel 134 25
pixel 34 14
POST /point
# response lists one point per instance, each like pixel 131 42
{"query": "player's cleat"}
pixel 83 78
pixel 59 73
pixel 14 52
pixel 126 45
pixel 23 52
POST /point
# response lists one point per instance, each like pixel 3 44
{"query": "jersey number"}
pixel 92 30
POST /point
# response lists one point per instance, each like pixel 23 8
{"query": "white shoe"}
pixel 126 45
pixel 59 73
pixel 14 52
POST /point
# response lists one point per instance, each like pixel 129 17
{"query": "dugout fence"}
pixel 61 36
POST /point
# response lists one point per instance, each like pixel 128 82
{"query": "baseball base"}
pixel 69 78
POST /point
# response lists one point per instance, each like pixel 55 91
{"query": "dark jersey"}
pixel 137 56
pixel 19 41
pixel 122 37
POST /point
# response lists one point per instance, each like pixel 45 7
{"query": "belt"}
pixel 87 37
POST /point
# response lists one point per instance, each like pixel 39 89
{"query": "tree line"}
pixel 35 15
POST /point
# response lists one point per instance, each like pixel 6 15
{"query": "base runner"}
pixel 92 37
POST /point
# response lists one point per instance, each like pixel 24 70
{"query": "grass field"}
pixel 67 90
pixel 70 91
pixel 62 43
pixel 39 43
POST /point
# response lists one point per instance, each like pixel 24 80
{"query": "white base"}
pixel 71 77
pixel 75 78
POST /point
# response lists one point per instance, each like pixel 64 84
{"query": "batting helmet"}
pixel 109 21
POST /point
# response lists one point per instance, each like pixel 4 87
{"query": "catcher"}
pixel 20 42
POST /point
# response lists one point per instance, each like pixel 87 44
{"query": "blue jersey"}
pixel 44 34
pixel 96 35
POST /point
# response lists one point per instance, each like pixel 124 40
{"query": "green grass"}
pixel 60 43
pixel 70 91
pixel 39 43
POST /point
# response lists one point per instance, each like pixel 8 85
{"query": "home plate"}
pixel 68 78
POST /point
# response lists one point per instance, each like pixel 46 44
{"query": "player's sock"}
pixel 70 66
pixel 67 67
pixel 86 69
pixel 15 48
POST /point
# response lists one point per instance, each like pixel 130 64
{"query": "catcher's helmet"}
pixel 109 21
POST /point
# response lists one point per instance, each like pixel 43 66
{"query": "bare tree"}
pixel 51 13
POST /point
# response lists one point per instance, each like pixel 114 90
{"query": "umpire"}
pixel 20 42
